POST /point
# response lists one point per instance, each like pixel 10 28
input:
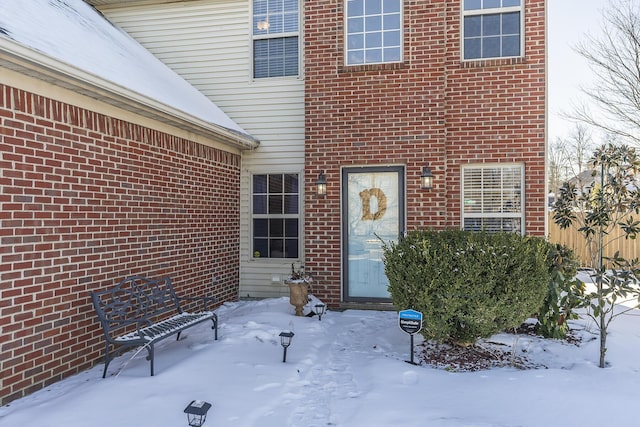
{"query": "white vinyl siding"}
pixel 208 42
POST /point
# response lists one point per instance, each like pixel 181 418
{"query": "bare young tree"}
pixel 557 164
pixel 568 157
pixel 614 57
pixel 580 147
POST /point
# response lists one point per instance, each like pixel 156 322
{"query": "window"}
pixel 276 216
pixel 275 38
pixel 492 28
pixel 374 31
pixel 492 198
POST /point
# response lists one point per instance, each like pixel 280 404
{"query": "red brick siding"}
pixel 432 109
pixel 87 200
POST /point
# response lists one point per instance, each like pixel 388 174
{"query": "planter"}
pixel 298 294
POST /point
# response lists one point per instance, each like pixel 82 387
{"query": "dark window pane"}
pixel 392 38
pixel 355 7
pixel 291 227
pixel 260 228
pixel 291 56
pixel 373 40
pixel 390 6
pixel 472 224
pixel 372 6
pixel 259 183
pixel 276 228
pixel 356 41
pixel 291 204
pixel 275 183
pixel 276 248
pixel 511 23
pixel 290 22
pixel 373 23
pixel 392 54
pixel 291 248
pixel 490 4
pixel 260 58
pixel 275 204
pixel 373 55
pixel 391 22
pixel 260 204
pixel 472 4
pixel 290 5
pixel 491 47
pixel 259 6
pixel 510 3
pixel 490 25
pixel 472 26
pixel 260 248
pixel 472 49
pixel 356 57
pixel 355 25
pixel 511 46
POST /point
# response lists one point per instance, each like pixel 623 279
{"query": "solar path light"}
pixel 320 310
pixel 197 412
pixel 285 341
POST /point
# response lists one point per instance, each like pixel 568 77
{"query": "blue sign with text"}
pixel 410 321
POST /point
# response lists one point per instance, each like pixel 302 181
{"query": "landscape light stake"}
pixel 285 341
pixel 197 412
pixel 320 310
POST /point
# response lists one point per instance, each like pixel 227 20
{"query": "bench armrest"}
pixel 204 300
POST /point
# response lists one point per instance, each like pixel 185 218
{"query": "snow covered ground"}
pixel 346 370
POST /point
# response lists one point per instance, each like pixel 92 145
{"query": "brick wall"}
pixel 85 201
pixel 432 109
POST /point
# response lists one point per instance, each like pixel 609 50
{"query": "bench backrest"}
pixel 134 299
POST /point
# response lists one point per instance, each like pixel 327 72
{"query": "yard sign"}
pixel 410 321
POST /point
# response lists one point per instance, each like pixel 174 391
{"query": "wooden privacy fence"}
pixel 570 237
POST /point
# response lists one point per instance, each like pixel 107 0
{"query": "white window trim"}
pixel 501 215
pixel 298 34
pixel 493 11
pixel 346 35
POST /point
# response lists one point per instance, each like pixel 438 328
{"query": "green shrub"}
pixel 468 285
pixel 564 295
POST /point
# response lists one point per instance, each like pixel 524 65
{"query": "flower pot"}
pixel 298 295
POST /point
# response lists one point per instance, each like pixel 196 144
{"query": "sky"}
pixel 346 370
pixel 568 21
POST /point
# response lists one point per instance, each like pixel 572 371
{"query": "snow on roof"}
pixel 74 33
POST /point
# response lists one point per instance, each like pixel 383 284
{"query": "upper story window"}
pixel 276 216
pixel 374 31
pixel 492 28
pixel 275 38
pixel 492 198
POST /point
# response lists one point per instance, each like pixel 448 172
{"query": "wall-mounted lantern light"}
pixel 321 184
pixel 285 341
pixel 426 179
pixel 197 412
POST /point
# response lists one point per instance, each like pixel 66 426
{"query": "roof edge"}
pixel 31 62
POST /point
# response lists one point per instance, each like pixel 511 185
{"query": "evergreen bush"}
pixel 468 285
pixel 565 294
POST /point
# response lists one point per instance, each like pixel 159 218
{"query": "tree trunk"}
pixel 603 338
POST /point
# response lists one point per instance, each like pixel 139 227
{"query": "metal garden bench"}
pixel 138 312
